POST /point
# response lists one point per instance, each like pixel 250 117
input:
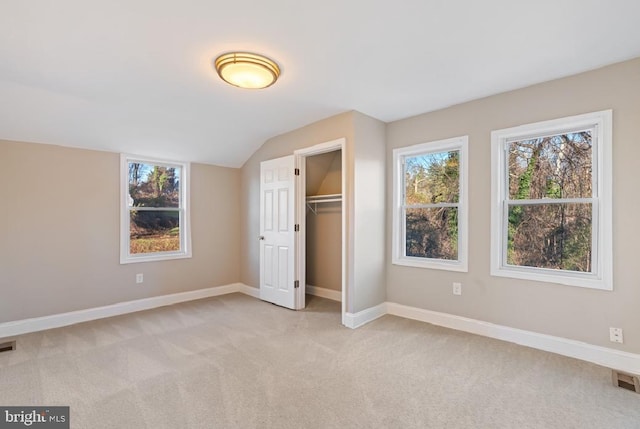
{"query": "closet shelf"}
pixel 319 199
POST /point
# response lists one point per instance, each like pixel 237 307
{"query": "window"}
pixel 154 221
pixel 551 210
pixel 430 205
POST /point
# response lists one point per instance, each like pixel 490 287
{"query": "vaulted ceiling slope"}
pixel 136 76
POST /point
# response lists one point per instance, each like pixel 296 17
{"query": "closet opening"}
pixel 321 213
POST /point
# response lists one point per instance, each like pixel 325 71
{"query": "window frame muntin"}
pixel 601 240
pixel 184 211
pixel 399 257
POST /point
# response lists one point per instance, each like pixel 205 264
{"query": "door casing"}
pixel 300 242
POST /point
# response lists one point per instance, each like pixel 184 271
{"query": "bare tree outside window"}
pixel 551 191
pixel 550 208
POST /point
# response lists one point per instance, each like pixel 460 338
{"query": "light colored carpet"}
pixel 237 362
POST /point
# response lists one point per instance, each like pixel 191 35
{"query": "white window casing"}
pixel 399 256
pixel 601 274
pixel 126 206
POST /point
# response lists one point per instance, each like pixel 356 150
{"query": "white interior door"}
pixel 277 232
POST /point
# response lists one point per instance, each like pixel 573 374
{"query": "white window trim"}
pixel 185 221
pixel 602 246
pixel 398 235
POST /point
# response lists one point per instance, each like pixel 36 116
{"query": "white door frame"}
pixel 300 162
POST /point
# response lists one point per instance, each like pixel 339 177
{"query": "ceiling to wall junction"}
pixel 137 76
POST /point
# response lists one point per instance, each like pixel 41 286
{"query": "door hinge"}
pixel 296 171
pixel 296 284
pixel 296 227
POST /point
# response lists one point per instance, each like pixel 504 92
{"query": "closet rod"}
pixel 327 198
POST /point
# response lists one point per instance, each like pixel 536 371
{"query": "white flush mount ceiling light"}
pixel 247 70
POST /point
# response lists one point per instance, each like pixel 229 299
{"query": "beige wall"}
pixel 365 159
pixel 332 181
pixel 324 246
pixel 316 170
pixel 322 131
pixel 565 311
pixel 59 233
pixel 324 226
pixel 369 212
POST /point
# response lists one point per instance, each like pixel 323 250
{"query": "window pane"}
pixel 432 233
pixel 153 185
pixel 555 236
pixel 154 231
pixel 432 178
pixel 558 166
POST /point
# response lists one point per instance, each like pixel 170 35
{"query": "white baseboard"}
pixel 25 326
pixel 355 320
pixel 248 290
pixel 611 358
pixel 322 292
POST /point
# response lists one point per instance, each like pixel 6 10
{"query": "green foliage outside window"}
pixel 154 187
pixel 432 179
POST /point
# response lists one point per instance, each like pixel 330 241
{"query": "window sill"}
pixel 154 257
pixel 552 276
pixel 431 264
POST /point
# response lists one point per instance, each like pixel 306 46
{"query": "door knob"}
pixel 261 237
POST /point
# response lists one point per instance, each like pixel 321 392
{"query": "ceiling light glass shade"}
pixel 246 70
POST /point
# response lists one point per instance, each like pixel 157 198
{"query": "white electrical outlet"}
pixel 139 278
pixel 615 335
pixel 457 288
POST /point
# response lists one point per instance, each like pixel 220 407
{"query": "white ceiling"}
pixel 136 75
